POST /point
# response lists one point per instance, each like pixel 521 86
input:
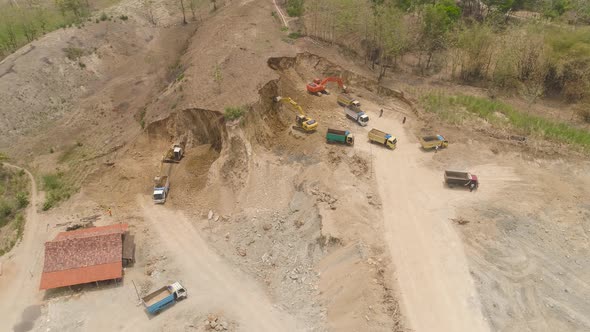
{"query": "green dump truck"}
pixel 339 136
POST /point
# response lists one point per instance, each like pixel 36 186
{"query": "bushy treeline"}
pixel 476 42
pixel 26 22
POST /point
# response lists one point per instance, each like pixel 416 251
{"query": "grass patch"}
pixel 74 53
pixel 14 198
pixel 57 189
pixel 142 118
pixel 295 35
pixel 449 108
pixel 233 112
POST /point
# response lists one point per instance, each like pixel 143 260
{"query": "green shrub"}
pixel 73 53
pixel 123 17
pixel 22 200
pixel 232 113
pixel 295 35
pixel 57 189
pixel 295 8
pixel 103 17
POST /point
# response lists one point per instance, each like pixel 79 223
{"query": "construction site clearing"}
pixel 303 210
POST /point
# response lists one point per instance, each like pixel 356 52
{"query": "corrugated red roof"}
pixel 81 275
pixel 82 256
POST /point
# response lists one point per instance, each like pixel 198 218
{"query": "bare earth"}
pixel 267 227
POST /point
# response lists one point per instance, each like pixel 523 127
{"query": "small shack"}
pixel 87 255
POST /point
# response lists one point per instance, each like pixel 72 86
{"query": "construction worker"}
pixel 404 121
pixel 110 212
pixel 436 149
pixel 381 113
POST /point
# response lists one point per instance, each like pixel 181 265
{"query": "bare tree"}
pixel 183 14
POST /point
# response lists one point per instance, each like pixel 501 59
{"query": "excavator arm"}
pixel 319 86
pixel 302 119
pixel 333 79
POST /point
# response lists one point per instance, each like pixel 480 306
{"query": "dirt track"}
pixel 213 285
pixel 19 279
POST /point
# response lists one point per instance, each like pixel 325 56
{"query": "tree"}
pixel 437 21
pixel 214 2
pixel 394 37
pixel 183 13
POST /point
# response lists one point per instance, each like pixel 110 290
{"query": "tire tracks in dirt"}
pixel 23 265
pixel 211 282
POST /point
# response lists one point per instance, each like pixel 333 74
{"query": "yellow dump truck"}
pixel 431 142
pixel 378 136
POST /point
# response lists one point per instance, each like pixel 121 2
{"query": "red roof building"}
pixel 82 256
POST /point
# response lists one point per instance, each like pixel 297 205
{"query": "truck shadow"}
pixel 457 188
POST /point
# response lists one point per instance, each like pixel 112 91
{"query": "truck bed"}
pixel 377 132
pixel 457 175
pixel 161 182
pixel 430 138
pixel 336 132
pixel 156 296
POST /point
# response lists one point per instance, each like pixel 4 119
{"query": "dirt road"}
pixel 22 267
pixel 212 283
pixel 437 291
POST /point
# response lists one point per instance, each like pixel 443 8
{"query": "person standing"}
pixel 110 212
pixel 404 121
pixel 381 113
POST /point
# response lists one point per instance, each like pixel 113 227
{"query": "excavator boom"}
pixel 303 121
pixel 319 86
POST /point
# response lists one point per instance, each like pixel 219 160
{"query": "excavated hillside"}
pixel 269 228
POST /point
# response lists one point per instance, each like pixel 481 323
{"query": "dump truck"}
pixel 174 154
pixel 356 114
pixel 346 100
pixel 380 137
pixel 339 136
pixel 431 142
pixel 461 179
pixel 162 186
pixel 163 298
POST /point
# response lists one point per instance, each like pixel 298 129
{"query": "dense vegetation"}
pixel 14 198
pixel 475 42
pixel 23 22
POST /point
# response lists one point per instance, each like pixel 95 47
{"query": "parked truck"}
pixel 346 100
pixel 356 114
pixel 174 154
pixel 380 137
pixel 162 186
pixel 339 136
pixel 461 179
pixel 164 297
pixel 431 142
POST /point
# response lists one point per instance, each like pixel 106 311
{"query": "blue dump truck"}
pixel 339 136
pixel 163 298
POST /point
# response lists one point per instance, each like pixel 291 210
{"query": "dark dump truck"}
pixel 461 179
pixel 339 136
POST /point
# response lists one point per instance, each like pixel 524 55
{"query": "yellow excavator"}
pixel 304 123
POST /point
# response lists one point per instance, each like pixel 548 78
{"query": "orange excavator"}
pixel 319 86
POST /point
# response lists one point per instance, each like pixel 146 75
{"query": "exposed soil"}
pixel 268 228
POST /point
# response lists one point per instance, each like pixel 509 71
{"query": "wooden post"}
pixel 136 292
